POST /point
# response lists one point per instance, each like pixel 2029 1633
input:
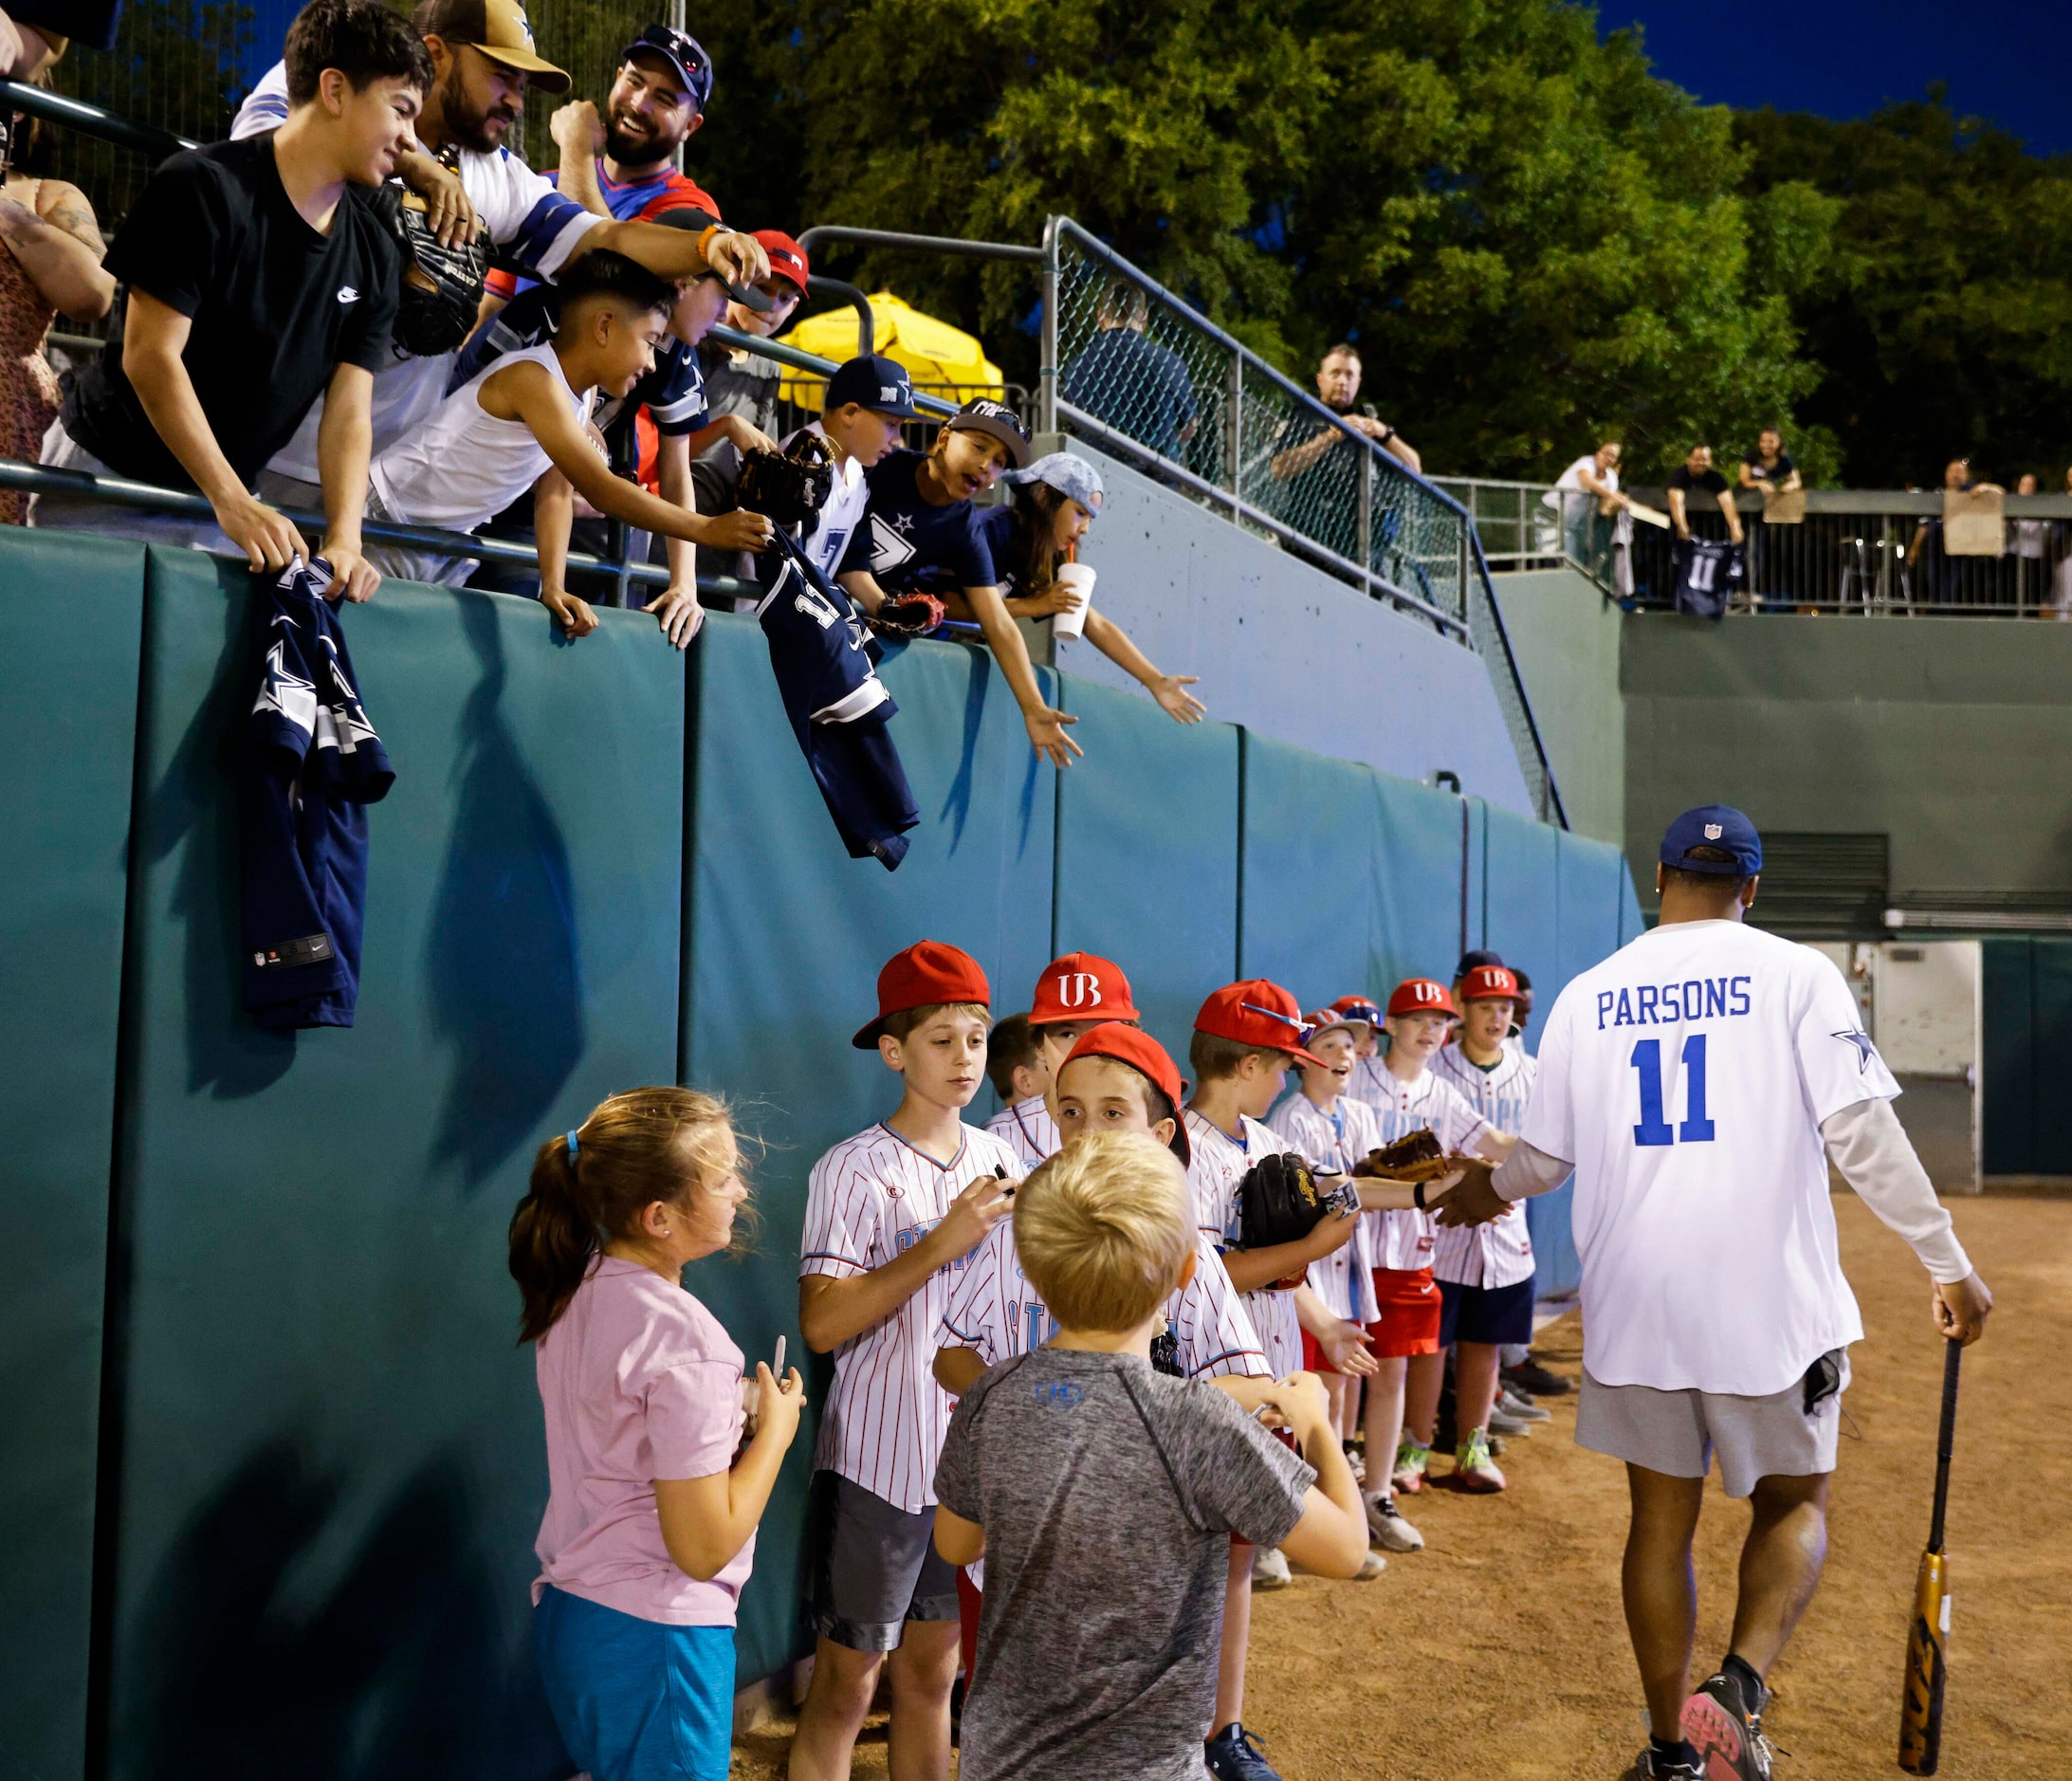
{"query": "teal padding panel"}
pixel 1632 923
pixel 332 1463
pixel 1521 896
pixel 787 933
pixel 1473 876
pixel 1312 874
pixel 1421 888
pixel 1592 880
pixel 1148 853
pixel 74 608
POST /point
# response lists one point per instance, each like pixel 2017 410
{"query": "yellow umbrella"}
pixel 933 352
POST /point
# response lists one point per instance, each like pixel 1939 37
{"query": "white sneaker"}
pixel 1524 1409
pixel 1371 1566
pixel 1270 1570
pixel 1386 1526
pixel 1503 1422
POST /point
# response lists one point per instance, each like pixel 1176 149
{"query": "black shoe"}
pixel 1233 1755
pixel 1648 1767
pixel 1529 1375
pixel 1727 1730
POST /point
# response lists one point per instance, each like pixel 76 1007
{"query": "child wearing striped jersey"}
pixel 1485 1271
pixel 1403 1407
pixel 1074 993
pixel 892 1215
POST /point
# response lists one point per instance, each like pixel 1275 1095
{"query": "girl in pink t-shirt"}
pixel 650 1522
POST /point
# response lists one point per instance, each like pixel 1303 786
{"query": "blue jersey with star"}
pixel 910 545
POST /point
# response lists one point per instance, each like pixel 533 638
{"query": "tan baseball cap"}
pixel 496 28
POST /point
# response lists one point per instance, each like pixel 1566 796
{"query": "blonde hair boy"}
pixel 1104 1232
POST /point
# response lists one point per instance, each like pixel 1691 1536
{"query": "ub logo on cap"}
pixel 1079 989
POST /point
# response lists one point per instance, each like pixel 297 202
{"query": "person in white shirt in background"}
pixel 1699 1082
pixel 1585 501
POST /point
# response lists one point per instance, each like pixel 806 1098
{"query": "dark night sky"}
pixel 1844 58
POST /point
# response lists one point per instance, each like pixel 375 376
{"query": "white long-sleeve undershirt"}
pixel 1866 1142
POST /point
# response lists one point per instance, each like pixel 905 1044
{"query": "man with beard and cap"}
pixel 483 60
pixel 624 163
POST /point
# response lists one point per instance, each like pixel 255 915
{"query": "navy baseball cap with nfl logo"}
pixel 879 384
pixel 1718 826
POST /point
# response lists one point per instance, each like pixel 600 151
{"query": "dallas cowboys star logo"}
pixel 1865 1051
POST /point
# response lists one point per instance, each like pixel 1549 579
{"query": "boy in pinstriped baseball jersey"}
pixel 1363 1021
pixel 1485 1272
pixel 1074 993
pixel 1402 1403
pixel 892 1214
pixel 1245 1036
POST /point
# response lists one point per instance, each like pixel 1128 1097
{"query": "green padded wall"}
pixel 787 933
pixel 1520 902
pixel 332 1465
pixel 1148 844
pixel 1314 867
pixel 69 732
pixel 1421 869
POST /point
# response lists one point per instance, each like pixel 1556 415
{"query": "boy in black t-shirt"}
pixel 255 285
pixel 921 534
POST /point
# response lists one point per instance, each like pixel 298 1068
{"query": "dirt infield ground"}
pixel 1500 1651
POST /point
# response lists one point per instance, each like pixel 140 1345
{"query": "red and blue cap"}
pixel 1257 1013
pixel 683 52
pixel 1360 1008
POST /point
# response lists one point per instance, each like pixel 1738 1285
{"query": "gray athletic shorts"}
pixel 877 1567
pixel 1678 1432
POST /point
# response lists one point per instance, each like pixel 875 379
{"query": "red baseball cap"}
pixel 1082 986
pixel 926 974
pixel 1489 983
pixel 1325 1020
pixel 1133 1046
pixel 1257 1013
pixel 1360 1008
pixel 787 258
pixel 1421 994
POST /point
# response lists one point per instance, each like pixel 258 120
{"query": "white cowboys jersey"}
pixel 1220 1163
pixel 1334 1142
pixel 1404 1240
pixel 869 1198
pixel 1028 1129
pixel 1500 1251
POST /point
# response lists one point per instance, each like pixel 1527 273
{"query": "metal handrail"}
pixel 89 120
pixel 919 244
pixel 800 361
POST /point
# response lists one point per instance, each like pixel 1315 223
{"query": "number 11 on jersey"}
pixel 1655 1127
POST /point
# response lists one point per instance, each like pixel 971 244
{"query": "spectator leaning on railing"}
pixel 51 266
pixel 1942 576
pixel 1304 439
pixel 1129 382
pixel 1587 499
pixel 255 286
pixel 483 60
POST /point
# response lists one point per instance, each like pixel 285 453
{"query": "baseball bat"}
pixel 1928 1638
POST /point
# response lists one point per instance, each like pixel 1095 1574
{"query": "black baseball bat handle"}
pixel 1945 1438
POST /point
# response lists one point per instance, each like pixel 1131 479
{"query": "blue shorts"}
pixel 1494 1315
pixel 635 1699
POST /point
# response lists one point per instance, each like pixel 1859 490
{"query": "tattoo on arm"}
pixel 77 220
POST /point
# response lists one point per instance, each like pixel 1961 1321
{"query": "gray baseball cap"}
pixel 1071 475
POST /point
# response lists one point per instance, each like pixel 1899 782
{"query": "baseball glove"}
pixel 1416 1156
pixel 441 287
pixel 913 616
pixel 1281 1201
pixel 788 487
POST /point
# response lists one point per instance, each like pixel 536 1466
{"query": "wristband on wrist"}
pixel 705 240
pixel 1417 1196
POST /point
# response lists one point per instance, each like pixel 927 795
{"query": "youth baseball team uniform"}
pixel 1028 1129
pixel 1220 1163
pixel 1332 1143
pixel 1405 1239
pixel 1497 1254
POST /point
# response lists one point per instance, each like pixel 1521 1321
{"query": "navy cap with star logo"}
pixel 1718 826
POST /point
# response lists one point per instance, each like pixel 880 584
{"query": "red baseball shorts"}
pixel 1410 1305
pixel 1313 1358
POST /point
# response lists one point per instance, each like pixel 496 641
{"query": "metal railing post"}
pixel 1366 516
pixel 1047 375
pixel 1233 432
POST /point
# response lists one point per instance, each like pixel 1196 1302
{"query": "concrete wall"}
pixel 1566 636
pixel 1948 734
pixel 1285 649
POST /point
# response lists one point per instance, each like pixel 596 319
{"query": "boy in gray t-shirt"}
pixel 1102 1494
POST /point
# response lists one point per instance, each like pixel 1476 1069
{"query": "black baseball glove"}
pixel 788 487
pixel 1281 1201
pixel 910 616
pixel 441 287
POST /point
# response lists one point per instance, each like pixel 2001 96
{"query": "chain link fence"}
pixel 1141 373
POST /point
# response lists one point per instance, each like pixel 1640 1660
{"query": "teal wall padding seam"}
pixel 68 728
pixel 1420 870
pixel 332 1458
pixel 788 934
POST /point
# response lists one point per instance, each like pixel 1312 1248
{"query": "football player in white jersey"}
pixel 892 1215
pixel 1402 1403
pixel 1074 993
pixel 1699 1082
pixel 1485 1274
pixel 1245 1036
